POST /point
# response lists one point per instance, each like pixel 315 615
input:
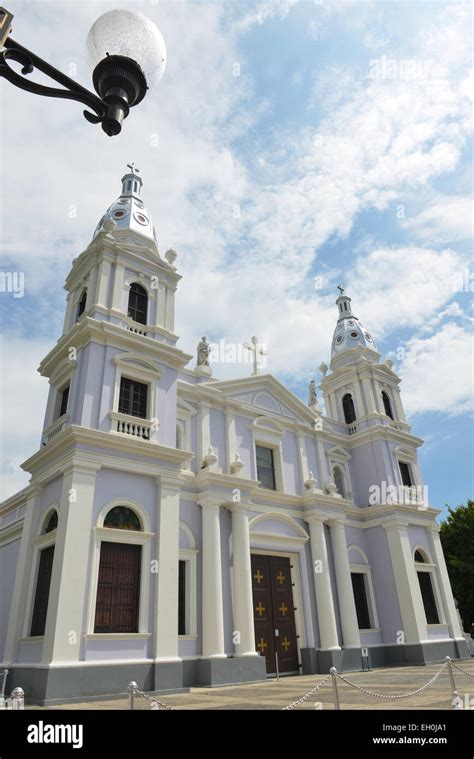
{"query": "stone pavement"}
pixel 271 694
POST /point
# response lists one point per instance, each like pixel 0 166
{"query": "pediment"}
pixel 268 395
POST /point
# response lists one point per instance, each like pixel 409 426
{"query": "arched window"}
pixel 52 522
pixel 81 306
pixel 122 518
pixel 118 587
pixel 425 580
pixel 348 408
pixel 138 303
pixel 387 405
pixel 339 481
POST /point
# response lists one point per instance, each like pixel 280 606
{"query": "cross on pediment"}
pixel 257 351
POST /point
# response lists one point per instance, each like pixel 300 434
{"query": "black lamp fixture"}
pixel 126 52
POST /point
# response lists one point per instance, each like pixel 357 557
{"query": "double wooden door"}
pixel 274 613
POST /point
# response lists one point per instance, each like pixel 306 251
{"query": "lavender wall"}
pixel 8 562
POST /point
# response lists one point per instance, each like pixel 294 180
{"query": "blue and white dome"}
pixel 128 212
pixel 349 332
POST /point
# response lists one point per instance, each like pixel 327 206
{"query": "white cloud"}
pixel 24 395
pixel 265 11
pixel 446 219
pixel 437 372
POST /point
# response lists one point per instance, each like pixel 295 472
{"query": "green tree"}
pixel 457 538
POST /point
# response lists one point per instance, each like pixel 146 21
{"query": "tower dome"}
pixel 128 212
pixel 349 332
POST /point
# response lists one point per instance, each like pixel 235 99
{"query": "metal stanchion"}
pixel 132 692
pixel 333 673
pixel 456 702
pixel 18 698
pixel 277 634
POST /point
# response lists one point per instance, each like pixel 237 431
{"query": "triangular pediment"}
pixel 266 394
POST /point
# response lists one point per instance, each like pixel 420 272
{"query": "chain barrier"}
pixel 401 695
pixel 469 674
pixel 133 691
pixel 308 695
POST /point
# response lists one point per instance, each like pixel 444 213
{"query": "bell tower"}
pixel 360 391
pixel 118 349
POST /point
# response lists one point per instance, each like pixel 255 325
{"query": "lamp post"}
pixel 126 52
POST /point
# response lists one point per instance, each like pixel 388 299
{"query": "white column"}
pixel 117 295
pixel 212 603
pixel 302 459
pixel 377 397
pixel 322 463
pixel 169 323
pixel 322 585
pixel 369 396
pixel 406 581
pixel 18 609
pixel 68 592
pixel 167 553
pixel 92 286
pixel 445 585
pixel 347 609
pixel 68 315
pixel 103 283
pixel 230 438
pixel 242 571
pixel 160 305
pixel 203 431
pixel 399 412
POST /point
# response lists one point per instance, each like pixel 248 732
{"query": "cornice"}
pixel 106 333
pixel 107 441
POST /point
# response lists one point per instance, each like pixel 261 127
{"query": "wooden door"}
pixel 118 590
pixel 274 611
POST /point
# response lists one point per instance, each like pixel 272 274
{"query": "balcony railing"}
pixel 136 327
pixel 130 425
pixel 55 429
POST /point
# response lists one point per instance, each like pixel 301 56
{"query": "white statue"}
pixel 312 396
pixel 203 351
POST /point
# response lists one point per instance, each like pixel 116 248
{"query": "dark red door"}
pixel 274 611
pixel 118 589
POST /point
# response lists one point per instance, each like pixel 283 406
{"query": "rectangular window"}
pixel 405 472
pixel 182 598
pixel 426 587
pixel 360 598
pixel 118 589
pixel 64 400
pixel 265 467
pixel 133 398
pixel 40 609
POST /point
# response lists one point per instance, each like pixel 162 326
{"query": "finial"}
pixel 341 289
pixel 132 168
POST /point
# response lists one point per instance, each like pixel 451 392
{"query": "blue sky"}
pixel 341 150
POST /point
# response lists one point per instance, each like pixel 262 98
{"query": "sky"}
pixel 291 146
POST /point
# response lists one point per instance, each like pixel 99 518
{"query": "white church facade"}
pixel 180 530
